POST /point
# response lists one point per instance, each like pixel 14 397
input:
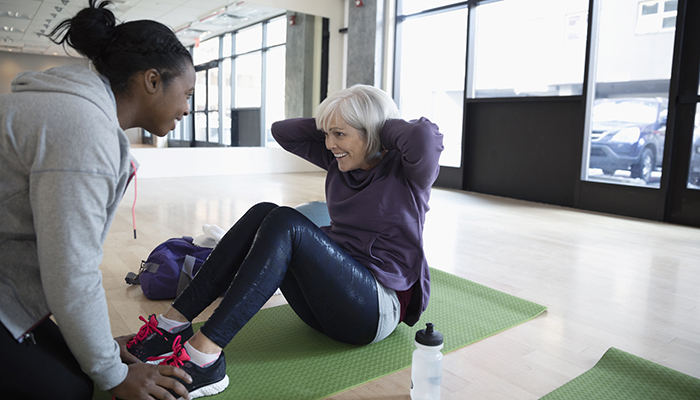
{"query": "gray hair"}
pixel 364 108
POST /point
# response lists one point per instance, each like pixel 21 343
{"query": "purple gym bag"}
pixel 169 268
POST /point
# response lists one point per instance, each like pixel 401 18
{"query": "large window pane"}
pixel 213 104
pixel 530 48
pixel 274 98
pixel 227 46
pixel 200 127
pixel 200 91
pixel 431 71
pixel 213 127
pixel 226 100
pixel 277 31
pixel 248 80
pixel 249 39
pixel 206 51
pixel 630 95
pixel 186 126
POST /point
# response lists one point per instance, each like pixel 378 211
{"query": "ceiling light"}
pixel 13 14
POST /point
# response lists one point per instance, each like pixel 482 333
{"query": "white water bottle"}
pixel 426 369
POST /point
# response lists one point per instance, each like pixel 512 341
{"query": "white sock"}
pixel 170 325
pixel 199 358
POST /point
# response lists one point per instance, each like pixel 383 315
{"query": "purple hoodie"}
pixel 377 215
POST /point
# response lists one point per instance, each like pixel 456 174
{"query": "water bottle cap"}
pixel 429 336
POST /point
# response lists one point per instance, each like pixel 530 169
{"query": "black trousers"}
pixel 271 247
pixel 42 368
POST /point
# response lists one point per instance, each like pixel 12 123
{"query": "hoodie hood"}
pixel 71 79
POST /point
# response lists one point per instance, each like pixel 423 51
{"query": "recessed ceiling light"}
pixel 13 14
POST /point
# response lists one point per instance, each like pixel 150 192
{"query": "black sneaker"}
pixel 206 381
pixel 153 342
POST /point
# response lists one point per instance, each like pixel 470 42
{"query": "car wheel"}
pixel 608 171
pixel 645 166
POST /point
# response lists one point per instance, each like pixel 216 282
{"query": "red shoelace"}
pixel 177 359
pixel 149 327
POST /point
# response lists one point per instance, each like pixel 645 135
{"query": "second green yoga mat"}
pixel 276 356
pixel 623 376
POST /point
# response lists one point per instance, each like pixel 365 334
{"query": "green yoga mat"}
pixel 276 356
pixel 623 376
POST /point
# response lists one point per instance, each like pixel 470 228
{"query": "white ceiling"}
pixel 22 22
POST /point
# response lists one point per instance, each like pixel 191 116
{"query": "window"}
pixel 249 39
pixel 656 16
pixel 206 51
pixel 529 48
pixel 274 97
pixel 276 32
pixel 230 72
pixel 629 107
pixel 248 80
pixel 430 74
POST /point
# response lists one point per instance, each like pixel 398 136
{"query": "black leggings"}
pixel 42 368
pixel 271 247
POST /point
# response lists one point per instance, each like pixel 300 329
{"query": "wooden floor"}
pixel 608 281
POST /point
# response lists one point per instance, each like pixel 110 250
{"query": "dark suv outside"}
pixel 628 134
pixel 694 171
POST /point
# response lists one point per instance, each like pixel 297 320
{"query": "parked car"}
pixel 694 170
pixel 628 134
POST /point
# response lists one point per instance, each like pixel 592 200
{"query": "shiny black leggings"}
pixel 271 247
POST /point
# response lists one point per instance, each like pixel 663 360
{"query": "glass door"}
pixel 684 186
pixel 628 100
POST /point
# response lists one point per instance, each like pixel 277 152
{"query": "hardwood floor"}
pixel 608 281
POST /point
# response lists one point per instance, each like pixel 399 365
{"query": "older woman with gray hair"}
pixel 354 280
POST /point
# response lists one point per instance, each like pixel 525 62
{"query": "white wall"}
pixel 208 161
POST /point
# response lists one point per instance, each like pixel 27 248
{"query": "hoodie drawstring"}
pixel 133 207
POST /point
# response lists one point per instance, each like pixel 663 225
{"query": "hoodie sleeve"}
pixel 73 181
pixel 300 136
pixel 420 144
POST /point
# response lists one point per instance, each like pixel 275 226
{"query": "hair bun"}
pixel 90 31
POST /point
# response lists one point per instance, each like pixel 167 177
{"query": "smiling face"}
pixel 172 103
pixel 347 145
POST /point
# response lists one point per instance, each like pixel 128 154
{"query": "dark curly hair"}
pixel 119 51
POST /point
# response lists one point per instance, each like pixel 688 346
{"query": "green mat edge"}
pixel 446 352
pixel 450 350
pixel 601 364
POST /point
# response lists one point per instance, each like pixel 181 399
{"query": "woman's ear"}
pixel 151 80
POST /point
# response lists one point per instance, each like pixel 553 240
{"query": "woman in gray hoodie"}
pixel 64 165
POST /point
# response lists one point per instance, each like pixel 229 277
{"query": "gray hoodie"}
pixel 64 166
